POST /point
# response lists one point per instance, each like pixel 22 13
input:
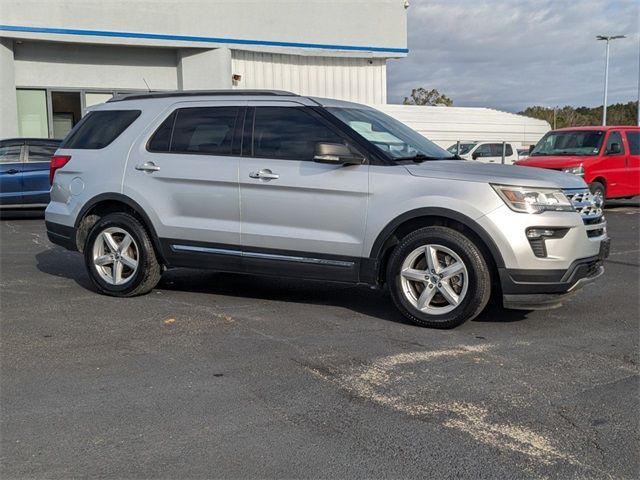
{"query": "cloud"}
pixel 510 54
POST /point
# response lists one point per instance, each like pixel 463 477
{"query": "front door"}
pixel 186 179
pixel 297 215
pixel 633 162
pixel 615 165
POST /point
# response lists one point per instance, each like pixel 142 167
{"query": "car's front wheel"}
pixel 598 190
pixel 438 277
pixel 120 258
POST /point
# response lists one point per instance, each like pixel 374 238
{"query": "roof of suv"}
pixel 200 93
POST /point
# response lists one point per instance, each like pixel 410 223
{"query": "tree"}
pixel 421 96
pixel 567 116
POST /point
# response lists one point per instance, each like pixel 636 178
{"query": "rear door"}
pixel 303 217
pixel 11 173
pixel 633 161
pixel 186 178
pixel 35 177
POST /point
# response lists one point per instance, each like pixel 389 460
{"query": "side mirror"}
pixel 475 155
pixel 531 147
pixel 614 148
pixel 336 154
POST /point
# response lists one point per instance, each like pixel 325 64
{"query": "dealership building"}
pixel 58 57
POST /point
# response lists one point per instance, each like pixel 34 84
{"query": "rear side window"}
pixel 289 133
pixel 203 130
pixel 496 150
pixel 41 153
pixel 99 128
pixel 634 142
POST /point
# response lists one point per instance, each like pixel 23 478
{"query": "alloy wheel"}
pixel 115 256
pixel 434 279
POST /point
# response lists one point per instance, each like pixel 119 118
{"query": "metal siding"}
pixel 446 125
pixel 355 79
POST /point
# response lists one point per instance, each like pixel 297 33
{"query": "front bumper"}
pixel 546 289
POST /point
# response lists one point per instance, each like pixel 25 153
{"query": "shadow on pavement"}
pixel 361 299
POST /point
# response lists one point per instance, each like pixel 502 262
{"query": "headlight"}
pixel 579 170
pixel 533 200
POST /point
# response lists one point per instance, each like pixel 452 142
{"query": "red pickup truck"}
pixel 608 158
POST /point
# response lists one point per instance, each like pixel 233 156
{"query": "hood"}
pixel 554 162
pixel 471 171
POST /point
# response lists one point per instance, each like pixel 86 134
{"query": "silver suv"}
pixel 268 182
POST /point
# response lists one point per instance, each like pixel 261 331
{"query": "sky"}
pixel 510 54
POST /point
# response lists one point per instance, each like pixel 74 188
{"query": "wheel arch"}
pixel 400 226
pixel 107 203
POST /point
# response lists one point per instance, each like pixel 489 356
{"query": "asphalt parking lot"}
pixel 219 375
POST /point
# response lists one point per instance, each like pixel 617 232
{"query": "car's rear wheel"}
pixel 120 258
pixel 438 277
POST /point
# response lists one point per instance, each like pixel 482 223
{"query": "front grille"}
pixel 585 204
pixel 590 208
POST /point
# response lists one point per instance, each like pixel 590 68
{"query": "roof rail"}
pixel 197 93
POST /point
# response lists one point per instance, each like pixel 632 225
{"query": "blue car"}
pixel 24 172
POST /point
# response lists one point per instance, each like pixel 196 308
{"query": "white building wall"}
pixel 49 64
pixel 446 125
pixel 8 106
pixel 317 27
pixel 357 79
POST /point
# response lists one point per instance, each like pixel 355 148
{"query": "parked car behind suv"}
pixel 273 183
pixel 608 158
pixel 486 152
pixel 24 172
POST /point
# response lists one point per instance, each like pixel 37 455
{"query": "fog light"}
pixel 534 233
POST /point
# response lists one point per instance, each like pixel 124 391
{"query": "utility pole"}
pixel 608 39
pixel 639 82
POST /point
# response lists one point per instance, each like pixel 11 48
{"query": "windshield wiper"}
pixel 421 157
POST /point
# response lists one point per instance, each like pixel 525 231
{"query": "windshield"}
pixel 392 137
pixel 580 142
pixel 464 148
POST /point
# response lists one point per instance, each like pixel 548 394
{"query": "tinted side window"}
pixel 496 150
pixel 289 133
pixel 615 137
pixel 98 129
pixel 484 150
pixel 161 140
pixel 41 153
pixel 206 130
pixel 634 142
pixel 10 154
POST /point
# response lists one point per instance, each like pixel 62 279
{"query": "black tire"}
pixel 598 189
pixel 148 272
pixel 478 281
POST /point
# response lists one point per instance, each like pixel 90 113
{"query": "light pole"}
pixel 608 38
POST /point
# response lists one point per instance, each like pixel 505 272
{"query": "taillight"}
pixel 57 161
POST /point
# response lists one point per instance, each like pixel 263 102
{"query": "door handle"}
pixel 148 167
pixel 264 174
pixel 12 171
